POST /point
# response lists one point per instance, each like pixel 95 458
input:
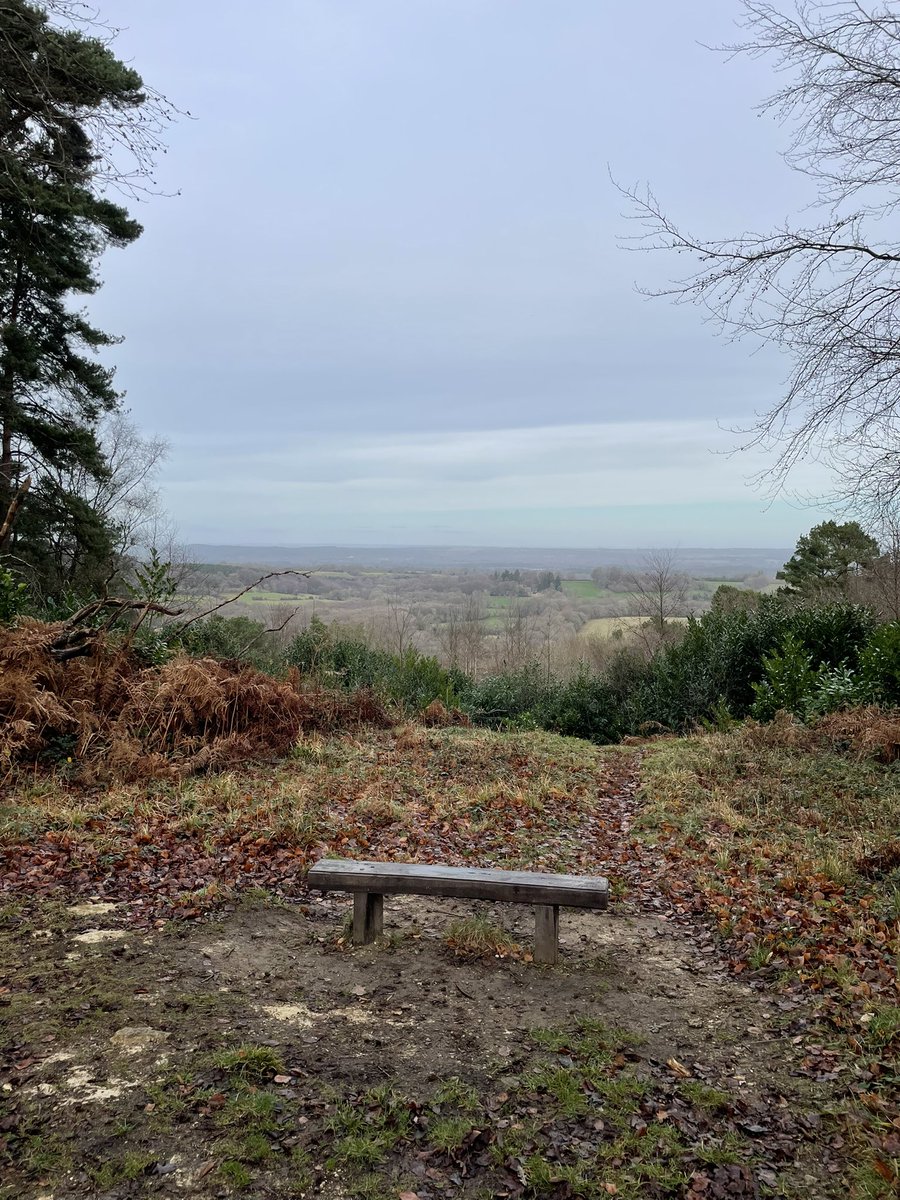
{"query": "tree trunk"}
pixel 14 505
pixel 7 397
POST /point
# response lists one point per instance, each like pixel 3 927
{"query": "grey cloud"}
pixel 395 220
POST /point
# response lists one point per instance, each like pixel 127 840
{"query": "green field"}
pixel 607 627
pixel 583 589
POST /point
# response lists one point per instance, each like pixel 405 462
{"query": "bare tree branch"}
pixel 828 293
pixel 243 592
pixel 658 593
pixel 274 629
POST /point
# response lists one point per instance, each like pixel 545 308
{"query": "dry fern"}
pixel 117 718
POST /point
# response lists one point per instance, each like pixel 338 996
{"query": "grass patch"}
pixel 235 1174
pixel 564 1086
pixel 454 1093
pixel 115 1171
pixel 369 1126
pixel 702 1096
pixel 477 937
pixel 583 589
pixel 249 1064
pixel 448 1133
pixel 257 1110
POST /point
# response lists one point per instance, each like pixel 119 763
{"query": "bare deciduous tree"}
pixel 879 585
pixel 825 289
pixel 658 593
pixel 128 497
pixel 400 623
pixel 450 635
pixel 514 646
pixel 473 634
pixel 125 497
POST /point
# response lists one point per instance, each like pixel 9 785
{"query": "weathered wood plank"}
pixel 368 917
pixel 546 933
pixel 522 887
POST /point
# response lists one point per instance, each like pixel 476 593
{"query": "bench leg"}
pixel 546 933
pixel 368 917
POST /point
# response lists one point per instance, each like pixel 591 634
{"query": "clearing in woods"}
pixel 180 1017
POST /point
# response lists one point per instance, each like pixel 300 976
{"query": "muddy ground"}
pixel 117 1081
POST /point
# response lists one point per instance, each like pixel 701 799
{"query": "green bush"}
pixel 835 688
pixel 13 597
pixel 834 633
pixel 587 706
pixel 231 638
pixel 879 664
pixel 868 673
pixel 342 659
pixel 510 699
pixel 788 681
pixel 722 658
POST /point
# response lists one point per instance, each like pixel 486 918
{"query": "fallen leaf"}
pixel 885 1170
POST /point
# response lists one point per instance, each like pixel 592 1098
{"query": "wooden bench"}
pixel 370 882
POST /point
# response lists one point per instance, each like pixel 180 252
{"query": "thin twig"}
pixel 243 592
pixel 275 629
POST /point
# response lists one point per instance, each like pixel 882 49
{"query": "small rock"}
pixel 134 1039
pixel 91 909
pixel 92 937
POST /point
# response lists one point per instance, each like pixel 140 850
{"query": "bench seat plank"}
pixel 475 883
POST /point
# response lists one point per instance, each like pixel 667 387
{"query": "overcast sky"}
pixel 389 304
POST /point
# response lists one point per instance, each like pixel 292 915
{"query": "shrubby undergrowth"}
pixel 728 665
pixel 344 659
pixel 725 667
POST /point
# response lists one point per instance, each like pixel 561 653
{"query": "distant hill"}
pixel 711 563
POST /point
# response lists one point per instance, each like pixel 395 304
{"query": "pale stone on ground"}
pixel 91 908
pixel 134 1039
pixel 92 937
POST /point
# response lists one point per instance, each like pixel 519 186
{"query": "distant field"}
pixel 495 607
pixel 606 627
pixel 257 596
pixel 583 589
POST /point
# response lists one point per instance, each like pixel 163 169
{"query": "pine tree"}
pixel 827 558
pixel 64 100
